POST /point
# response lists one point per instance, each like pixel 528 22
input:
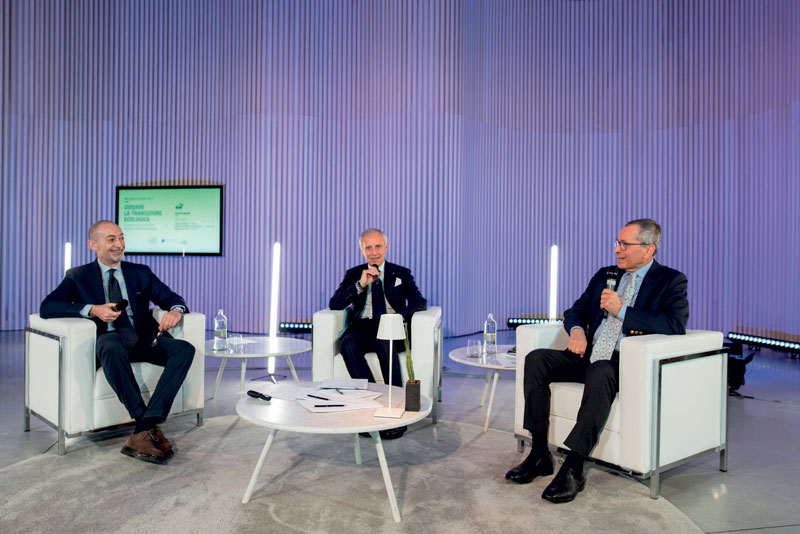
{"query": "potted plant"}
pixel 412 385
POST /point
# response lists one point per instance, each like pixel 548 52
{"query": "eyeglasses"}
pixel 624 245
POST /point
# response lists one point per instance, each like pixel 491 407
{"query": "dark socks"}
pixel 575 461
pixel 146 423
pixel 539 447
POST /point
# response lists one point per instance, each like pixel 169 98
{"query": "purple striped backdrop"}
pixel 475 133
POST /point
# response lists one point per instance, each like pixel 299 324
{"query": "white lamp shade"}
pixel 391 327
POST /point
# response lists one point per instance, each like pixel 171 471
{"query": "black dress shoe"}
pixel 532 467
pixel 566 485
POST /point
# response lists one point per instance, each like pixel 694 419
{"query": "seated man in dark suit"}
pixel 370 290
pixel 651 300
pixel 92 291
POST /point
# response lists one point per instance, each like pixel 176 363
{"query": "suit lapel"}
pixel 389 277
pixel 650 282
pixel 95 282
pixel 130 286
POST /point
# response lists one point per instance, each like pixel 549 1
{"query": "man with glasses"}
pixel 650 299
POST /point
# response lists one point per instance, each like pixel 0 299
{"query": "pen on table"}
pixel 329 406
pixel 317 397
pixel 339 391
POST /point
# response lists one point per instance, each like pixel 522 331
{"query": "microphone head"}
pixel 611 277
pixel 121 305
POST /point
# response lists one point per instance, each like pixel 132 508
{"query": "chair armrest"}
pixel 327 324
pixel 425 327
pixel 530 337
pixel 191 328
pixel 78 360
pixel 694 388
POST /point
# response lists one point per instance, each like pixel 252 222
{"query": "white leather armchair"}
pixel 426 334
pixel 64 388
pixel 671 404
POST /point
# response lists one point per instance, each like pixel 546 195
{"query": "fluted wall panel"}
pixel 475 133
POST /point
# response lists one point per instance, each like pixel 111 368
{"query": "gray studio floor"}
pixel 758 494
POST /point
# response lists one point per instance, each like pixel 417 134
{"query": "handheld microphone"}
pixel 121 305
pixel 378 277
pixel 611 281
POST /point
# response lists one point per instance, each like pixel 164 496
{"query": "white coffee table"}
pixel 258 347
pixel 486 361
pixel 279 414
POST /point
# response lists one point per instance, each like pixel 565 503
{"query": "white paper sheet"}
pixel 344 383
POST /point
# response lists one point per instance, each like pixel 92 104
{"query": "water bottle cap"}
pixel 220 310
pixel 491 316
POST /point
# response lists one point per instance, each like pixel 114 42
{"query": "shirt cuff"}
pixel 85 311
pixel 579 328
pixel 621 314
pixel 178 307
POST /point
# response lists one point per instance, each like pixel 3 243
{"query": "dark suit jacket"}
pixel 84 285
pixel 398 285
pixel 661 305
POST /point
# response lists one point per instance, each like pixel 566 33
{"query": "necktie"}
pixel 378 301
pixel 123 323
pixel 608 337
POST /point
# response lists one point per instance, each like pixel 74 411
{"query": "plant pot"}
pixel 412 396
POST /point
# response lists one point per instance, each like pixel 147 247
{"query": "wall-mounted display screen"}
pixel 171 219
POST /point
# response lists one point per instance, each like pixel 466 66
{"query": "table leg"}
pixel 486 387
pixel 491 399
pixel 291 368
pixel 244 370
pixel 386 478
pixel 357 449
pixel 257 470
pixel 219 377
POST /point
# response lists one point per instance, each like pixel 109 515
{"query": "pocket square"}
pixel 397 282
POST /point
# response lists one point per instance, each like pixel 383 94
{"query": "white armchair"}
pixel 65 389
pixel 426 334
pixel 671 404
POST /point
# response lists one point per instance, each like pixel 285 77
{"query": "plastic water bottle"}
pixel 490 335
pixel 220 331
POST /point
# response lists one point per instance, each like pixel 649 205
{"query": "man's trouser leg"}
pixel 175 356
pixel 357 340
pixel 600 389
pixel 116 364
pixel 542 367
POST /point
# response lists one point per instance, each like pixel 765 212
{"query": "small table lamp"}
pixel 391 329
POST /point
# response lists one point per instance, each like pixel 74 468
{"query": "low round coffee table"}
pixel 485 361
pixel 290 416
pixel 258 347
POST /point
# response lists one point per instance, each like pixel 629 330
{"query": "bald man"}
pixel 93 291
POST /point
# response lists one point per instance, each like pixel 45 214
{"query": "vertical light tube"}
pixel 553 282
pixel 273 301
pixel 67 256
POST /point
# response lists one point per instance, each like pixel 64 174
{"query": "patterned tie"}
pixel 378 301
pixel 608 337
pixel 123 323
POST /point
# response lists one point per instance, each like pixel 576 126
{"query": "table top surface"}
pixel 289 415
pixel 486 361
pixel 261 347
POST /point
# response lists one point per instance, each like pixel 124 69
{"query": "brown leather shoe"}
pixel 162 443
pixel 142 446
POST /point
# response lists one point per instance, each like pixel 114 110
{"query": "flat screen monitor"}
pixel 171 219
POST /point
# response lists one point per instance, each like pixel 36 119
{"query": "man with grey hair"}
pixel 127 333
pixel 369 290
pixel 651 300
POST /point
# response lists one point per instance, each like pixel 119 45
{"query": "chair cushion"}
pixel 146 374
pixel 565 400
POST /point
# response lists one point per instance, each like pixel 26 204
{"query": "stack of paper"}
pixel 320 399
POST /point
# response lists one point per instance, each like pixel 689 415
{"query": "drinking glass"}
pixel 473 348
